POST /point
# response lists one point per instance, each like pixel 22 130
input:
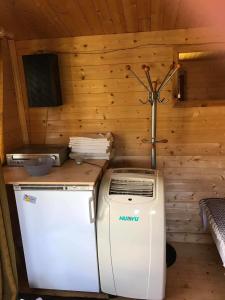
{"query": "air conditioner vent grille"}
pixel 134 171
pixel 131 187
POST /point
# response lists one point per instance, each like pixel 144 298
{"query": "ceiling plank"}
pixel 144 15
pixel 156 14
pixel 11 21
pixel 104 16
pixel 130 13
pixel 56 18
pixel 170 13
pixel 40 15
pixel 194 13
pixel 72 16
pixel 117 14
pixel 88 9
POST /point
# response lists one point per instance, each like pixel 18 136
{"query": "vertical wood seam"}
pixel 1 103
pixel 18 90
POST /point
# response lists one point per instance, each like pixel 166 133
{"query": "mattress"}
pixel 213 217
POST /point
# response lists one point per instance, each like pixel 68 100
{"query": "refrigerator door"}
pixel 59 239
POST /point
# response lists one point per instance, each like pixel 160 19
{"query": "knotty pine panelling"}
pixel 12 137
pixel 56 18
pixel 100 95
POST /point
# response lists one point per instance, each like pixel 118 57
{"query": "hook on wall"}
pixel 153 87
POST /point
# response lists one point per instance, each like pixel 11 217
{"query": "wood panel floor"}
pixel 196 275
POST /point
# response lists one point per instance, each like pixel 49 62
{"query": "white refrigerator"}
pixel 58 232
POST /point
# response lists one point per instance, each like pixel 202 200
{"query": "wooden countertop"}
pixel 68 173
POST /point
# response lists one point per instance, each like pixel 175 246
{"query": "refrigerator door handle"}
pixel 91 210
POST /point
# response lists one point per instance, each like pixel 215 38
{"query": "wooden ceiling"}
pixel 28 19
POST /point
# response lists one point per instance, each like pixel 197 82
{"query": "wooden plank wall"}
pixel 12 137
pixel 99 95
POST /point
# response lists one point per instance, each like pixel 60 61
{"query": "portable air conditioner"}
pixel 131 233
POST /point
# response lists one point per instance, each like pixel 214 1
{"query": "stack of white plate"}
pixel 91 146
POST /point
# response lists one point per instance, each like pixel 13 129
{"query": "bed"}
pixel 213 217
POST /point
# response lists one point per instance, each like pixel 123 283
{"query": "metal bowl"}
pixel 38 167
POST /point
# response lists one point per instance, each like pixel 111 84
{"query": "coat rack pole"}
pixel 154 97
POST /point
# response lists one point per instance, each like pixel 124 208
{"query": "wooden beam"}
pixel 107 43
pixel 1 104
pixel 19 92
pixel 5 34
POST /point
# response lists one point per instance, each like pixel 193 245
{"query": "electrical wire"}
pixel 89 163
pixel 127 48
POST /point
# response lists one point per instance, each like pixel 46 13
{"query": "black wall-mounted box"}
pixel 42 80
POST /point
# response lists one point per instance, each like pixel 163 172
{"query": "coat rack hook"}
pixel 153 99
